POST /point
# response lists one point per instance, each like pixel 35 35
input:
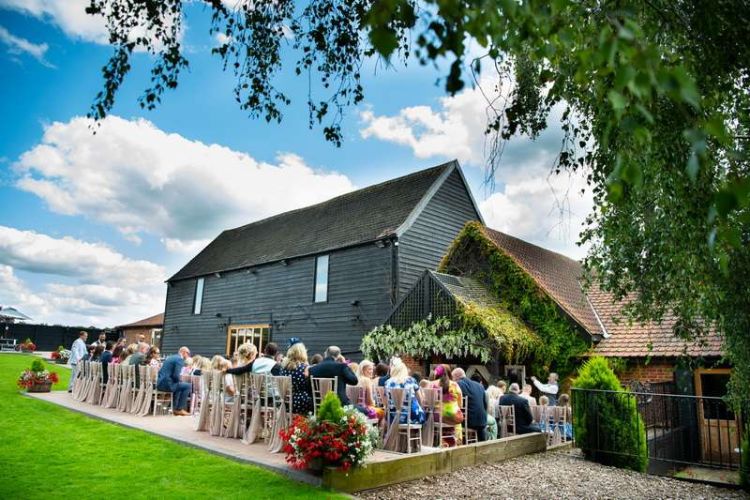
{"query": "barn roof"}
pixel 362 216
pixel 596 310
pixel 156 320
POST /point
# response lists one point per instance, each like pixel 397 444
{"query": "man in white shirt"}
pixel 549 389
pixel 77 352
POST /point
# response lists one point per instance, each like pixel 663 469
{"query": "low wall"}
pixel 408 467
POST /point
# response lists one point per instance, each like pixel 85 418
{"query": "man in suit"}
pixel 524 420
pixel 476 404
pixel 330 368
pixel 106 359
pixel 168 380
pixel 77 351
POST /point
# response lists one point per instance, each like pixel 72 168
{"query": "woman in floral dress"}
pixel 451 406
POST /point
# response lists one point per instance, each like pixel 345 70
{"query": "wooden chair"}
pixel 110 386
pixel 470 435
pixel 281 392
pixel 95 383
pixel 431 404
pixel 507 422
pixel 162 401
pixel 400 434
pixel 128 390
pixel 140 384
pixel 204 408
pixel 81 385
pixel 254 410
pixel 321 387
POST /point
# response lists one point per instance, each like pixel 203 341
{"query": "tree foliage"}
pixel 656 111
pixel 607 425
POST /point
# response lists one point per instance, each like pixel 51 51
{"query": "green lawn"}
pixel 47 451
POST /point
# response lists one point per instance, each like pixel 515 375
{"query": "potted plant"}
pixel 60 356
pixel 37 378
pixel 338 437
pixel 28 346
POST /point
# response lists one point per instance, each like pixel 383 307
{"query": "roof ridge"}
pixel 547 250
pixel 343 195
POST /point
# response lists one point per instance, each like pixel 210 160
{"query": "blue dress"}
pixel 302 402
pixel 418 415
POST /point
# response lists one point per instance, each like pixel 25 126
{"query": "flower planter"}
pixel 61 361
pixel 43 387
pixel 27 350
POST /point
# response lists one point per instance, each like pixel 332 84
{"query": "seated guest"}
pixel 153 357
pixel 424 383
pixel 246 354
pixel 228 380
pixel 450 409
pixel 331 368
pixel 502 385
pixel 494 393
pixel 168 380
pixel 200 365
pixel 266 363
pixel 89 353
pixel 131 349
pixel 138 357
pixel 417 377
pixel 294 365
pixel 188 368
pixel 116 353
pixel 526 394
pixel 567 430
pixel 524 419
pixel 381 373
pixel 316 359
pixel 97 354
pixel 400 379
pixel 217 362
pixel 364 379
pixel 106 359
pixel 476 403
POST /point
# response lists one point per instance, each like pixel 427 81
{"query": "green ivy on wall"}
pixel 560 343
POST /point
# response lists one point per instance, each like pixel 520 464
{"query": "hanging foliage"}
pixel 559 341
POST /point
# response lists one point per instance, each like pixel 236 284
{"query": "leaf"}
pixel 384 40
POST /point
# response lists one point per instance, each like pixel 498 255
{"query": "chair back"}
pixel 321 387
pixel 507 424
pixel 356 394
pixel 431 403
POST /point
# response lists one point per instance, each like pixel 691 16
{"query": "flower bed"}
pixel 60 356
pixel 337 437
pixel 27 346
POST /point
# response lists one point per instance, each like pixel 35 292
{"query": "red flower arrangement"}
pixel 338 437
pixel 55 355
pixel 28 346
pixel 31 378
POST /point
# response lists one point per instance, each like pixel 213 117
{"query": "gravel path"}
pixel 549 475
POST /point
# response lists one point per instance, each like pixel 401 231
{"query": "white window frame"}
pixel 324 291
pixel 198 299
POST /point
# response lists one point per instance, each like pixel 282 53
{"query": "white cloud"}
pixel 547 210
pixel 18 45
pixel 530 204
pixel 97 285
pixel 69 15
pixel 140 179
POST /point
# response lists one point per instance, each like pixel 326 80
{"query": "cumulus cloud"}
pixel 18 45
pixel 529 202
pixel 85 283
pixel 140 179
pixel 69 15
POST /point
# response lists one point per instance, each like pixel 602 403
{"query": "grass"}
pixel 49 452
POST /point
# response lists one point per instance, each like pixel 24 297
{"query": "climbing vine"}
pixel 560 342
pixel 480 332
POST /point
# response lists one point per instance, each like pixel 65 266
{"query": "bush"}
pixel 37 365
pixel 330 408
pixel 607 425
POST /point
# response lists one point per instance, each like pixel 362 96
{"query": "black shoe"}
pixel 70 391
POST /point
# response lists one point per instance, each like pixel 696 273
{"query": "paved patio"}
pixel 180 429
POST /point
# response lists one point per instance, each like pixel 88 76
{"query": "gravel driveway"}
pixel 549 475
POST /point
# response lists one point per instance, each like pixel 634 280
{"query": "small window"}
pixel 198 296
pixel 321 278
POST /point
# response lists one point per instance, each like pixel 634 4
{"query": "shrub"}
pixel 37 365
pixel 607 425
pixel 330 408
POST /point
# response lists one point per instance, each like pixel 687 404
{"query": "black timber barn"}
pixel 327 273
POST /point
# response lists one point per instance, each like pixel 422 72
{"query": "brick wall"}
pixel 414 365
pixel 654 371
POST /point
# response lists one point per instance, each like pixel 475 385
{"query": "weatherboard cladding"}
pixel 424 244
pixel 282 295
pixel 354 218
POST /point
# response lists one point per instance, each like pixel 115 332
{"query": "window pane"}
pixel 321 278
pixel 198 296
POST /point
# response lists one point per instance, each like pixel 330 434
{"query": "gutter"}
pixel 605 334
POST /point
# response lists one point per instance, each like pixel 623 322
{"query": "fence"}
pixel 46 337
pixel 681 430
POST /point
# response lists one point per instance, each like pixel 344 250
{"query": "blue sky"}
pixel 91 225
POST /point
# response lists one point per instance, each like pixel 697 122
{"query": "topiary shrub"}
pixel 37 365
pixel 607 425
pixel 330 408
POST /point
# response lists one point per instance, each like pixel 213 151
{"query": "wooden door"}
pixel 239 334
pixel 717 423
